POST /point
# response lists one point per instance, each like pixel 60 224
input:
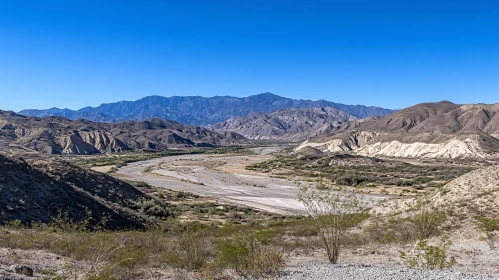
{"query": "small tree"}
pixel 490 228
pixel 333 212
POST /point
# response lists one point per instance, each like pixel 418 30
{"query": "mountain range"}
pixel 290 125
pixel 427 130
pixel 58 135
pixel 196 110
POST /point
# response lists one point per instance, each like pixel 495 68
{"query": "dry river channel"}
pixel 223 177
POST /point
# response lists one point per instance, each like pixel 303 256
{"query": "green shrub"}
pixel 249 256
pixel 191 251
pixel 427 220
pixel 429 257
pixel 490 227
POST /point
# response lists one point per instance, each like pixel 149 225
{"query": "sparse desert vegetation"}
pixel 181 235
pixel 353 170
pixel 209 176
pixel 118 160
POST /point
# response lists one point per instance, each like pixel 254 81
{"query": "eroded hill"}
pixel 58 135
pixel 428 130
pixel 462 199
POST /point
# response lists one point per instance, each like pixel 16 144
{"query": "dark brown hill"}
pixel 406 119
pixel 38 190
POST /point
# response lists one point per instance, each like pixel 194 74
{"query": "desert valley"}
pixel 249 139
pixel 153 198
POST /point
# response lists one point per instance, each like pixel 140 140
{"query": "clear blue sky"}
pixel 386 53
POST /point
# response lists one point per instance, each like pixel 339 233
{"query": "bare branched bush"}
pixel 427 220
pixel 333 212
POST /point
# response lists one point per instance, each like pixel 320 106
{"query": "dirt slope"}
pixel 474 193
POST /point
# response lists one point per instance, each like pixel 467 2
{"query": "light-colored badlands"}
pixel 454 148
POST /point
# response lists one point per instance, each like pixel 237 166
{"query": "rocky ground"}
pixel 319 271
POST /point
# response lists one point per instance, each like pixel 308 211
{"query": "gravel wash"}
pixel 311 271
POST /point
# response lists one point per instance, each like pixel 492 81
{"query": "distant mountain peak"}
pixel 197 110
pixel 266 94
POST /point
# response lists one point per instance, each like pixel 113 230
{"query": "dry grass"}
pixel 180 252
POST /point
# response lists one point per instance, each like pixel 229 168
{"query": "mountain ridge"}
pixel 290 125
pixel 197 110
pixel 59 135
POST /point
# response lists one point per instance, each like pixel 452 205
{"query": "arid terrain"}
pixel 290 125
pixel 249 140
pixel 157 199
pixel 238 194
pixel 58 135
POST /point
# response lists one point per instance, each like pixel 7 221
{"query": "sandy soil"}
pixel 103 169
pixel 223 177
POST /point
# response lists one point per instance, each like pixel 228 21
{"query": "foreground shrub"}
pixel 249 255
pixel 427 220
pixel 251 251
pixel 490 228
pixel 190 252
pixel 427 256
pixel 333 212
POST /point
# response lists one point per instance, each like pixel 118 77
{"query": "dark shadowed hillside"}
pixel 38 190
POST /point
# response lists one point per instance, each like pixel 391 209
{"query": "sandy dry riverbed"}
pixel 224 177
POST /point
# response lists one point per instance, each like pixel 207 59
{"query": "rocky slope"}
pixel 286 124
pixel 57 135
pixel 197 110
pixel 428 130
pixel 39 190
